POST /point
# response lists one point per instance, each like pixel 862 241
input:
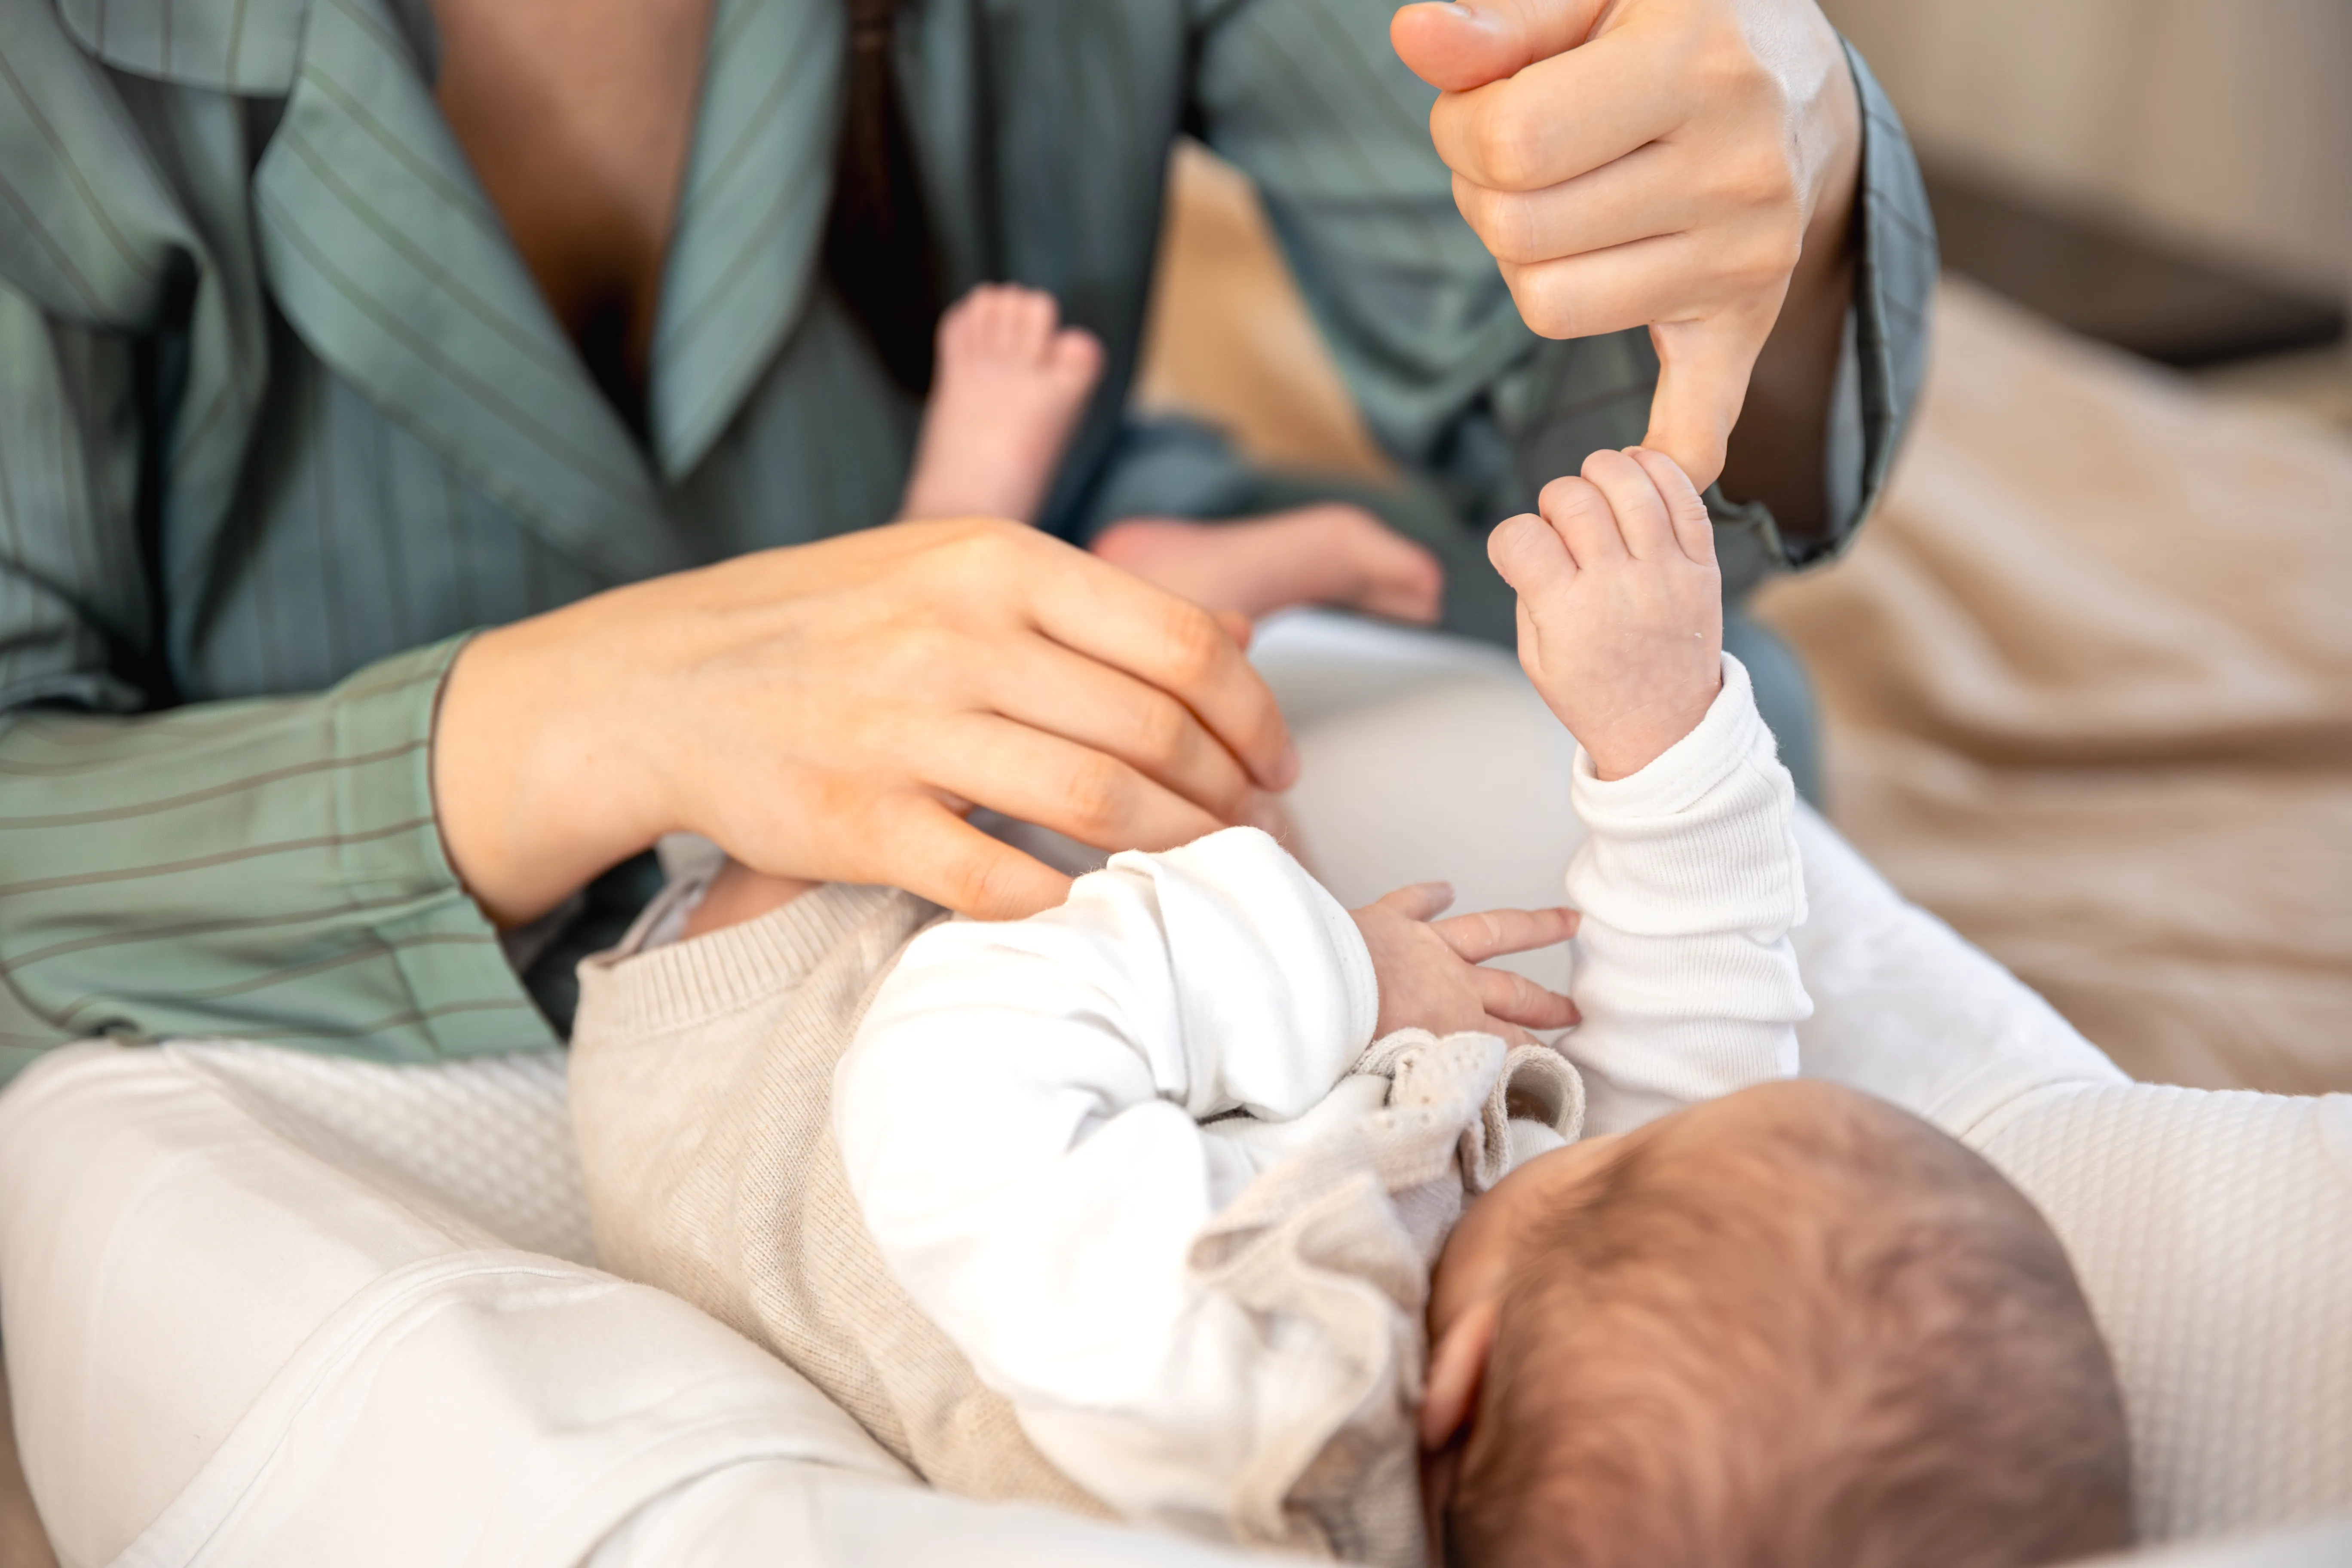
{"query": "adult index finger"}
pixel 1087 605
pixel 1459 46
pixel 1703 371
pixel 936 855
pixel 1566 115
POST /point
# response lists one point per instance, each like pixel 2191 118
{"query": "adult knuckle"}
pixel 1549 310
pixel 981 884
pixel 1508 142
pixel 1162 729
pixel 1192 644
pixel 990 546
pixel 1724 64
pixel 1094 794
pixel 1756 176
pixel 1519 233
pixel 1773 258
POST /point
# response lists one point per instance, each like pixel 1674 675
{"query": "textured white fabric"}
pixel 489 1140
pixel 2327 1544
pixel 1690 881
pixel 2213 1234
pixel 228 1349
pixel 164 1256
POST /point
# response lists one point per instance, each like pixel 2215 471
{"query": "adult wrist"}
pixel 533 788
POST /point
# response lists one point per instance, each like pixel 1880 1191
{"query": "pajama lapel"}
pixel 389 260
pixel 744 254
pixel 242 47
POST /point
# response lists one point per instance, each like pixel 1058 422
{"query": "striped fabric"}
pixel 282 416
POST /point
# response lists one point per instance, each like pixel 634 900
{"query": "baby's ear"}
pixel 1457 1369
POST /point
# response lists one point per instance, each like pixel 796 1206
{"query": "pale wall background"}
pixel 2226 125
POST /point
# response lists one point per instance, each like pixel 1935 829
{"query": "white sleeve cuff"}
pixel 1730 734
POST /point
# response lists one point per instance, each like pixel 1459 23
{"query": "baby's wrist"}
pixel 1622 749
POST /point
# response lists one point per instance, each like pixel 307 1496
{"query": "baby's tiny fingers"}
pixel 1519 1000
pixel 1531 557
pixel 1420 901
pixel 1694 530
pixel 1491 933
pixel 1580 515
pixel 1641 511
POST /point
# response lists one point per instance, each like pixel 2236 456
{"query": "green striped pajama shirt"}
pixel 282 417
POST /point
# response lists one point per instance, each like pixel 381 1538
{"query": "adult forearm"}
pixel 265 870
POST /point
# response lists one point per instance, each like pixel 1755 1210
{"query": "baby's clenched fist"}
pixel 1620 606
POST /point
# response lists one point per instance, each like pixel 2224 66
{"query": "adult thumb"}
pixel 1455 48
pixel 1703 370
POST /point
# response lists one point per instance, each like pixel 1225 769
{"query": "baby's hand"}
pixel 1620 606
pixel 1428 968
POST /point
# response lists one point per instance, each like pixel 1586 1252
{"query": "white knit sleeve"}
pixel 1689 884
pixel 1019 1118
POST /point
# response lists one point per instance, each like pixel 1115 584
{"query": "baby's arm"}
pixel 1690 879
pixel 1019 1119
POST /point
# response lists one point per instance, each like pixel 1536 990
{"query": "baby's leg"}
pixel 1011 384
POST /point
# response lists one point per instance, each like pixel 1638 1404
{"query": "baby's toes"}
pixel 1074 357
pixel 963 327
pixel 1030 317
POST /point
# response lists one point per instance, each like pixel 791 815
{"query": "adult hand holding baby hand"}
pixel 1429 969
pixel 1684 165
pixel 1620 606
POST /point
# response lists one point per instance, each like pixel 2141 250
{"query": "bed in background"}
pixel 2088 683
pixel 2086 677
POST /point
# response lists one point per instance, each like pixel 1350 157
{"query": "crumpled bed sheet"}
pixel 2087 685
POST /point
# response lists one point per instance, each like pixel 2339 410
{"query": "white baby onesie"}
pixel 1039 1118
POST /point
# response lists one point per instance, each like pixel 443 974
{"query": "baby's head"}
pixel 1793 1328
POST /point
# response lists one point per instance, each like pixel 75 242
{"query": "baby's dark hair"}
pixel 1834 1338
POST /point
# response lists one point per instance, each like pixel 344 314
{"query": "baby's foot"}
pixel 1009 385
pixel 1328 554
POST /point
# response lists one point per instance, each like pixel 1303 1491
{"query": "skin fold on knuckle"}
pixel 1097 798
pixel 1570 496
pixel 1550 307
pixel 1510 224
pixel 1190 647
pixel 1159 735
pixel 1507 137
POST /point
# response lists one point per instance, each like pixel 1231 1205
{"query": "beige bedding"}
pixel 2088 678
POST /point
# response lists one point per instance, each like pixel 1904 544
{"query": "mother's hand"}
pixel 1679 164
pixel 831 711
